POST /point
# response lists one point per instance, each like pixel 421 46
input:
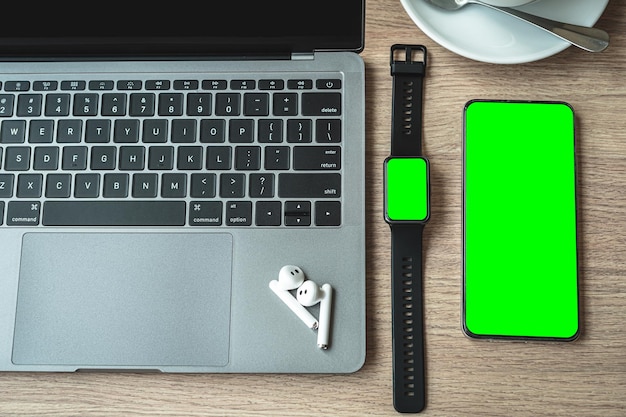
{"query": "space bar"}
pixel 113 213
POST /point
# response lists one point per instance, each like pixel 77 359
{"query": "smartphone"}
pixel 520 263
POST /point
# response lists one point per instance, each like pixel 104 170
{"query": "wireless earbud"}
pixel 291 277
pixel 309 294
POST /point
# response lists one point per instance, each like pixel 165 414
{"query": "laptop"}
pixel 158 169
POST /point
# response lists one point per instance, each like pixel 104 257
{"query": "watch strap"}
pixel 408 80
pixel 409 384
pixel 407 319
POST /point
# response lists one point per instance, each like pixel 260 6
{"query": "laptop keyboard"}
pixel 212 152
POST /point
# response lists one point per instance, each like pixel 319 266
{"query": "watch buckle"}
pixel 415 57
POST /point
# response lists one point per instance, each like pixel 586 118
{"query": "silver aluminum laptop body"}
pixel 176 278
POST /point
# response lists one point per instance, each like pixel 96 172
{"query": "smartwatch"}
pixel 406 210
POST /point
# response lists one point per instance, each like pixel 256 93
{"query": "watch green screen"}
pixel 406 196
pixel 519 221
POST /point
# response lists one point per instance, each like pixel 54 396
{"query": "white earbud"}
pixel 309 294
pixel 291 277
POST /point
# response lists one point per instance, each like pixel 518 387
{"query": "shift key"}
pixel 322 185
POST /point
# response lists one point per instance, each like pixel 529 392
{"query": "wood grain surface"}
pixel 464 377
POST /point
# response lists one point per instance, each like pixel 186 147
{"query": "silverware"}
pixel 589 39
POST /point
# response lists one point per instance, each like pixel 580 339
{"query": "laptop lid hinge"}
pixel 302 56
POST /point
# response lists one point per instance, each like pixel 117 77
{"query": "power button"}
pixel 328 84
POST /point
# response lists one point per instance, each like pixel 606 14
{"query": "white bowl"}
pixel 483 34
pixel 507 3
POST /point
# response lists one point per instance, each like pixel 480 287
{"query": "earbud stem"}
pixel 304 315
pixel 323 332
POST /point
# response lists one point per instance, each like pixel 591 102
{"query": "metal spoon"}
pixel 589 39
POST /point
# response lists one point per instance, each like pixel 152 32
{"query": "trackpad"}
pixel 124 299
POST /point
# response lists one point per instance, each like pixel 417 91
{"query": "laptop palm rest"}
pixel 90 300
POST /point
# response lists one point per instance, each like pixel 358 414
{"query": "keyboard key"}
pixel 316 158
pixel 327 213
pixel 199 104
pixel 45 85
pixel 23 213
pixel 202 185
pixel 17 158
pixel 243 84
pixel 321 104
pixel 183 131
pixel 256 104
pixel 41 131
pixel 29 185
pixel 126 131
pixel 98 131
pixel 46 158
pixel 205 213
pixel 132 158
pixel 270 131
pixel 103 85
pixel 303 84
pixel 113 104
pixel 87 186
pixel 158 85
pixel 248 158
pixel 113 213
pixel 271 84
pixel 17 86
pixel 285 104
pixel 232 185
pixel 174 186
pixel 268 213
pixel 239 213
pixel 69 131
pixel 58 185
pixel 328 130
pixel 145 185
pixel 315 185
pixel 29 105
pixel 218 157
pixel 142 104
pixel 328 84
pixel 74 158
pixel 161 158
pixel 297 213
pixel 154 131
pixel 103 158
pixel 13 131
pixel 214 84
pixel 57 105
pixel 6 105
pixel 6 185
pixel 276 157
pixel 299 131
pixel 186 84
pixel 227 104
pixel 170 104
pixel 241 131
pixel 212 130
pixel 73 85
pixel 86 104
pixel 129 85
pixel 115 186
pixel 261 185
pixel 189 158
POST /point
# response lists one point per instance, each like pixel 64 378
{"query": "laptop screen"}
pixel 134 28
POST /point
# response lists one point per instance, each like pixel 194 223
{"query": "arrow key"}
pixel 328 213
pixel 268 213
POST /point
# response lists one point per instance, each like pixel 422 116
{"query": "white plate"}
pixel 482 34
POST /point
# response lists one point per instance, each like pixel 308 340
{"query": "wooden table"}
pixel 464 377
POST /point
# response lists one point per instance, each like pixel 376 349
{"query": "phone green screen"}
pixel 520 272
